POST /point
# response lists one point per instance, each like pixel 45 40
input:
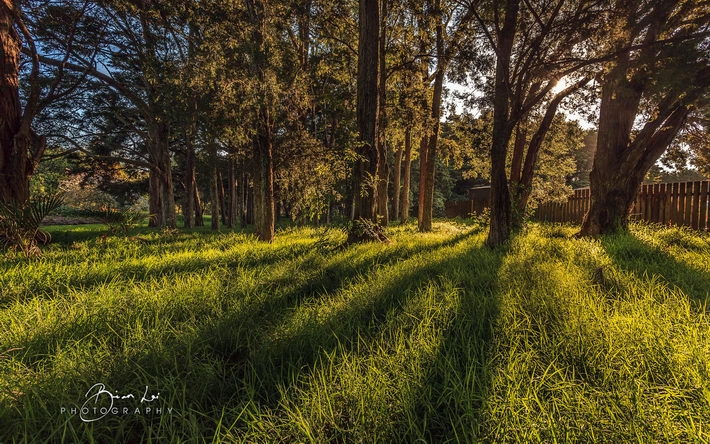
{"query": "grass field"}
pixel 432 337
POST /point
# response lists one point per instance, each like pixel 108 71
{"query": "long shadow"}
pixel 449 405
pixel 283 362
pixel 140 272
pixel 303 346
pixel 258 367
pixel 281 291
pixel 632 254
pixel 235 340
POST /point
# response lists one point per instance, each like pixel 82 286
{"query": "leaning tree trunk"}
pixel 20 148
pixel 522 173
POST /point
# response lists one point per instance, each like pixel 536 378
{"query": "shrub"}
pixel 20 222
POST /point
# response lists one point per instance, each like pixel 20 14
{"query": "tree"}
pixel 646 97
pixel 536 45
pixel 450 29
pixel 20 147
pixel 136 45
pixel 366 172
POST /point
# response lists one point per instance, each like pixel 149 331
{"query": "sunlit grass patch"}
pixel 432 337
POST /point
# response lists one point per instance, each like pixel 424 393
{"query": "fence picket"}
pixel 679 203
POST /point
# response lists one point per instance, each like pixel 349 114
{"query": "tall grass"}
pixel 432 337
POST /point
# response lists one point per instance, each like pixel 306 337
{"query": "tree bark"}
pixel 365 173
pixel 189 180
pixel 199 220
pixel 407 175
pixel 214 187
pixel 264 205
pixel 20 148
pixel 501 223
pixel 221 195
pixel 396 183
pixel 382 147
pixel 428 171
pixel 155 195
pixel 232 220
pixel 621 162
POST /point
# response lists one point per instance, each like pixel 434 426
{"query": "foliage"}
pixel 122 221
pixel 557 161
pixel 84 195
pixel 20 223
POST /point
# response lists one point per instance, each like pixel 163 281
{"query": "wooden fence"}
pixel 682 203
pixel 571 211
pixel 478 200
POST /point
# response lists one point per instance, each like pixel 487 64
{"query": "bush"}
pixel 122 221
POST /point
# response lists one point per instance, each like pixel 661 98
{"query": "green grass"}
pixel 432 337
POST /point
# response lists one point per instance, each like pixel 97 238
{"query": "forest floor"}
pixel 431 337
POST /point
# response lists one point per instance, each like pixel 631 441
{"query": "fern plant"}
pixel 20 223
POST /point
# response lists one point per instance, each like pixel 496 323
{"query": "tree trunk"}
pixel 162 199
pixel 189 180
pixel 365 173
pixel 427 173
pixel 232 220
pixel 382 147
pixel 407 175
pixel 396 183
pixel 20 149
pixel 199 220
pixel 421 190
pixel 264 217
pixel 501 223
pixel 154 199
pixel 611 200
pixel 222 197
pixel 519 193
pixel 264 179
pixel 214 187
pixel 243 203
pixel 622 161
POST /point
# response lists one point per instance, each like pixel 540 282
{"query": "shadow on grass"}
pixel 136 272
pixel 274 365
pixel 629 253
pixel 233 358
pixel 449 405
